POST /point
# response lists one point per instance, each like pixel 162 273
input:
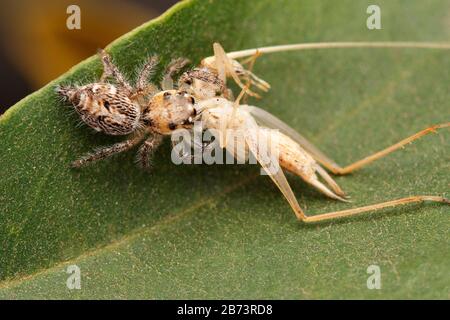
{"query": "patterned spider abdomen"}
pixel 104 107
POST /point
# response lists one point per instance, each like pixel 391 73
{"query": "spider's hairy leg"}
pixel 147 148
pixel 109 69
pixel 108 151
pixel 174 66
pixel 147 70
pixel 203 147
pixel 144 88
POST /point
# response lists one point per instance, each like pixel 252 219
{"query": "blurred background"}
pixel 36 46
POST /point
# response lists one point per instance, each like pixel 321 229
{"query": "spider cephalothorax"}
pixel 120 109
pixel 170 110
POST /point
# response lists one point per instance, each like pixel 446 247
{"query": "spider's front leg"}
pixel 173 67
pixel 142 84
pixel 109 69
pixel 203 146
pixel 108 151
pixel 147 148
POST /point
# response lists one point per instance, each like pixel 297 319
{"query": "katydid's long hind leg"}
pixel 374 207
pixel 327 162
pixel 380 154
pixel 278 177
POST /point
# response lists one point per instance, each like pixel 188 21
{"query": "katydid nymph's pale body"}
pixel 294 153
pixel 252 124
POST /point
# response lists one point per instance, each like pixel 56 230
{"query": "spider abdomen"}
pixel 104 107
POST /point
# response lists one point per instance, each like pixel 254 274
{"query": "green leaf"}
pixel 225 231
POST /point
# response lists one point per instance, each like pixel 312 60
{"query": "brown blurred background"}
pixel 36 46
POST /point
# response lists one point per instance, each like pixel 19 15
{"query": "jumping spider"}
pixel 147 110
pixel 119 109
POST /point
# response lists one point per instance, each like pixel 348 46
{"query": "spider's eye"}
pixel 167 94
pixel 188 81
pixel 192 100
pixel 188 121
